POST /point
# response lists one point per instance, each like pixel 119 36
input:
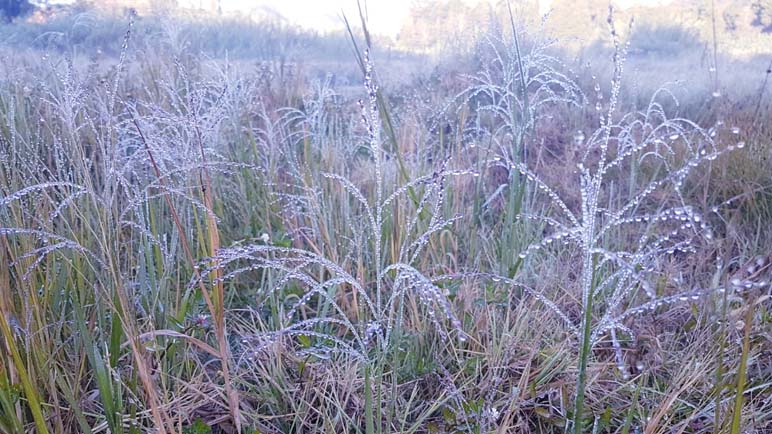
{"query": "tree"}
pixel 762 15
pixel 10 9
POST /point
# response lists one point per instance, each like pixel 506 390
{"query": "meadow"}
pixel 200 233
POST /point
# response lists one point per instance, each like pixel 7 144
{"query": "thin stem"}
pixel 720 367
pixel 741 374
pixel 585 349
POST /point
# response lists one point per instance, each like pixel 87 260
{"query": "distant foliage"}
pixel 762 15
pixel 666 40
pixel 217 36
pixel 10 9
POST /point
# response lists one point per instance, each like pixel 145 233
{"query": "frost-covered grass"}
pixel 514 248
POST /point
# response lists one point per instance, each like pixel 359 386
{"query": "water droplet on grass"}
pixel 579 138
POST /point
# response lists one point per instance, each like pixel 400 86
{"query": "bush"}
pixel 669 40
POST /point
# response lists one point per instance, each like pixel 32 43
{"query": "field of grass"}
pixel 520 240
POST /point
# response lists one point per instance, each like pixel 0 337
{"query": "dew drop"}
pixel 579 138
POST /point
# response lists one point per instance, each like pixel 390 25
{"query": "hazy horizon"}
pixel 384 17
